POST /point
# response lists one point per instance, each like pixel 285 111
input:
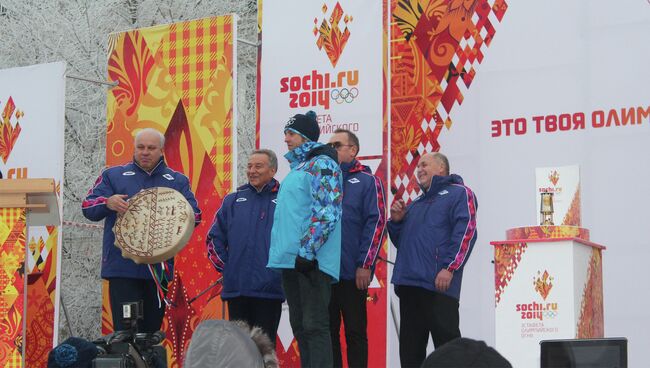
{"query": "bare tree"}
pixel 76 31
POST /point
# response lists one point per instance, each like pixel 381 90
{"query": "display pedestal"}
pixel 548 285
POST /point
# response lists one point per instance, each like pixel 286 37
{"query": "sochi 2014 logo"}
pixel 319 89
pixel 543 284
pixel 323 88
pixel 8 132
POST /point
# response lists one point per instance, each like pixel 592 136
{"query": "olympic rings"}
pixel 344 95
pixel 550 314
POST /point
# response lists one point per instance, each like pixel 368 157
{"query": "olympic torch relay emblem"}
pixel 329 34
pixel 543 284
pixel 8 132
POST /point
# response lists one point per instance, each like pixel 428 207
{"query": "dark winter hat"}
pixel 464 352
pixel 73 352
pixel 305 125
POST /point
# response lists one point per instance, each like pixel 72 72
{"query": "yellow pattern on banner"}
pixel 12 254
pixel 194 50
pixel 190 62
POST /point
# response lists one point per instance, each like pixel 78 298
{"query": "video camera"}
pixel 128 348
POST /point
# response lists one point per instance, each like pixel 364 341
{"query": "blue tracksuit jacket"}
pixel 364 218
pixel 438 231
pixel 239 239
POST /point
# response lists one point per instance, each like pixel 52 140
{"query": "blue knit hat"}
pixel 305 125
pixel 73 352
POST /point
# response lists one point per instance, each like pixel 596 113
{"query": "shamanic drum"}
pixel 156 226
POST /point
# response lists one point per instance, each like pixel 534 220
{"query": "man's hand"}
pixel 363 278
pixel 443 280
pixel 397 211
pixel 117 203
pixel 304 265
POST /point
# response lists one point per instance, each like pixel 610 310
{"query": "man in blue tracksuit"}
pixel 364 219
pixel 306 237
pixel 128 281
pixel 434 237
pixel 238 246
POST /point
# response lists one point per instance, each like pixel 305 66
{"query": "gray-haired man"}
pixel 238 246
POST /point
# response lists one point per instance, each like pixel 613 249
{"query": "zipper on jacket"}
pixel 435 268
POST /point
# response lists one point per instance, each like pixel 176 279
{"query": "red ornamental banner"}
pixel 435 47
pixel 179 78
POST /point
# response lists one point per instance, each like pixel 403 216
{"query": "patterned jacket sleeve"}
pixel 94 205
pixel 217 239
pixel 463 235
pixel 187 193
pixel 375 223
pixel 326 208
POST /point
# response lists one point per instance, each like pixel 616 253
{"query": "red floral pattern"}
pixel 435 46
pixel 591 322
pixel 547 232
pixel 506 259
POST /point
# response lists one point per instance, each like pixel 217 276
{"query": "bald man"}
pixel 128 281
pixel 434 236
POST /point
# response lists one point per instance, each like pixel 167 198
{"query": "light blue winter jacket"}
pixel 308 211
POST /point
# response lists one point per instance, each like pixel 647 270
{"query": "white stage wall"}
pixel 552 58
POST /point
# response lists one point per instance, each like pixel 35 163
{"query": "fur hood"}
pixel 220 343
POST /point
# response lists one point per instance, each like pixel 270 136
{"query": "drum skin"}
pixel 157 224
